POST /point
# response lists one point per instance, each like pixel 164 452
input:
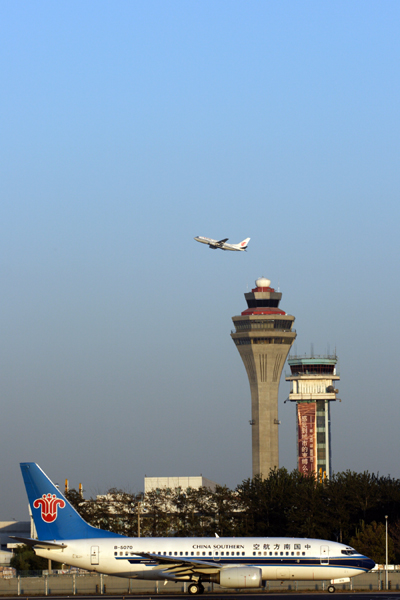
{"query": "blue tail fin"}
pixel 54 517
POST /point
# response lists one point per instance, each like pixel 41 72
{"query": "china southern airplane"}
pixel 222 245
pixel 63 536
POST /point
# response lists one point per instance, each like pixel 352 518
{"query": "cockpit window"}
pixel 349 552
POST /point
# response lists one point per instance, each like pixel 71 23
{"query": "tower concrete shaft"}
pixel 263 336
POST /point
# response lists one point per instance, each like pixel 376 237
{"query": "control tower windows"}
pixel 261 302
pixel 310 369
pixel 263 340
pixel 265 324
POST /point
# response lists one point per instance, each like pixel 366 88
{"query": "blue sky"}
pixel 128 128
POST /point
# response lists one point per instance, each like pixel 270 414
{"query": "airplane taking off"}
pixel 222 245
pixel 240 562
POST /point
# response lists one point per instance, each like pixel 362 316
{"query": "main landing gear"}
pixel 196 588
pixel 331 589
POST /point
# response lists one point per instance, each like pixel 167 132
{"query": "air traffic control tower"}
pixel 313 380
pixel 263 335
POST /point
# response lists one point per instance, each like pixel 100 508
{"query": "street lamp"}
pixel 386 572
pixel 139 507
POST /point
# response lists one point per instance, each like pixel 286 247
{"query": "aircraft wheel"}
pixel 195 588
pixel 331 589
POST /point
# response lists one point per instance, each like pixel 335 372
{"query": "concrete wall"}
pixel 194 482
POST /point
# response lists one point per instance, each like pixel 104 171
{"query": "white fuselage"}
pixel 278 558
pixel 215 244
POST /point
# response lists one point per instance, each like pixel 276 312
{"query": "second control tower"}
pixel 263 337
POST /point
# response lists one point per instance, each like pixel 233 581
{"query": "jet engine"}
pixel 240 577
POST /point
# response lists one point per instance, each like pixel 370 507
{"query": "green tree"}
pixel 158 520
pixel 308 516
pixel 114 511
pixel 394 532
pixel 25 559
pixel 192 512
pixel 228 511
pixel 80 504
pixel 370 540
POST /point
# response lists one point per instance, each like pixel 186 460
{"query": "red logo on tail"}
pixel 49 504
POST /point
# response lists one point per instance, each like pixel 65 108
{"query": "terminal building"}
pixel 313 380
pixel 263 336
pixel 152 484
pixel 7 544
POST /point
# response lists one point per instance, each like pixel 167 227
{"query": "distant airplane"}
pixel 222 245
pixel 233 562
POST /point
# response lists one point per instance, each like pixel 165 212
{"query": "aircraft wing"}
pixel 220 242
pixel 180 566
pixel 39 543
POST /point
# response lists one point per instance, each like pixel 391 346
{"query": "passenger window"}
pixel 180 553
pixel 222 554
pixel 115 553
pixel 186 553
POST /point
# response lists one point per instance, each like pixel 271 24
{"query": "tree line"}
pixel 349 507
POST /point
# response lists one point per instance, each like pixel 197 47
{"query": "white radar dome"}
pixel 263 282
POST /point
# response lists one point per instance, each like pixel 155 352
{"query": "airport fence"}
pixel 80 584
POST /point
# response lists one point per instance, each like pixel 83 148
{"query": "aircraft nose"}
pixel 368 563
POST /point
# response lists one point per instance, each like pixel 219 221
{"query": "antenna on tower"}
pixel 312 350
